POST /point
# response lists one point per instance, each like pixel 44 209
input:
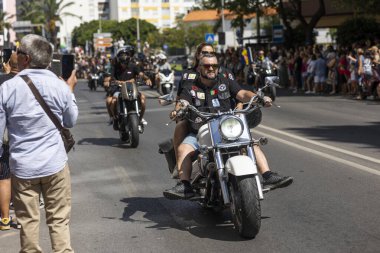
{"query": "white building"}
pixel 161 13
pixel 8 6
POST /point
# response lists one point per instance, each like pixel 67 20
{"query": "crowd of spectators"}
pixel 314 70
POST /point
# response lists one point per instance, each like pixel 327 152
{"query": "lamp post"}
pixel 138 35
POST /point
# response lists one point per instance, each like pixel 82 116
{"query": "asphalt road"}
pixel 330 145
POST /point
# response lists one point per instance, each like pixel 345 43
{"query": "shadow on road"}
pixel 110 142
pixel 365 134
pixel 184 216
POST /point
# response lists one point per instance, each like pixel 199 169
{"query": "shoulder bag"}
pixel 67 137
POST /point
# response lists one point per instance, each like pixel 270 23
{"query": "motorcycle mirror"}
pixel 272 81
pixel 166 99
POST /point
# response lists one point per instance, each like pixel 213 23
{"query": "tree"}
pixel 126 30
pixel 358 30
pixel 196 34
pixel 293 11
pixel 239 10
pixel 359 6
pixel 53 11
pixel 4 23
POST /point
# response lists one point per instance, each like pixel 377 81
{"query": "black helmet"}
pixel 125 53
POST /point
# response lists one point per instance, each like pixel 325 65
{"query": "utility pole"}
pixel 223 23
pixel 138 35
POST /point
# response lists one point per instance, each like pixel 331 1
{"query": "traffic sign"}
pixel 278 34
pixel 209 38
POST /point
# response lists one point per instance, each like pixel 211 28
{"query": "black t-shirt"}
pixel 130 72
pixel 219 97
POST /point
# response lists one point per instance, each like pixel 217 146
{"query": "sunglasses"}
pixel 20 52
pixel 208 52
pixel 207 66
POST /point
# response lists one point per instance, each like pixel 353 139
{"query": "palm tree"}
pixel 4 21
pixel 32 11
pixel 53 11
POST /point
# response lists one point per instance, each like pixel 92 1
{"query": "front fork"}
pixel 222 175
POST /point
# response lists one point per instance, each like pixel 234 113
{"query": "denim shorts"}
pixel 191 140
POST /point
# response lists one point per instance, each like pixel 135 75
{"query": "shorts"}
pixel 319 79
pixel 191 139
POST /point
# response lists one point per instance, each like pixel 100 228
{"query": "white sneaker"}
pixel 144 122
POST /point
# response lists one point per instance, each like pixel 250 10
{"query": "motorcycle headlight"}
pixel 231 128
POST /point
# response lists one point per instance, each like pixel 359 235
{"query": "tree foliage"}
pixel 4 20
pixel 126 30
pixel 358 6
pixel 358 30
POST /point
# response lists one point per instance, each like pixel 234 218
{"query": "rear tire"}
pixel 133 129
pixel 245 205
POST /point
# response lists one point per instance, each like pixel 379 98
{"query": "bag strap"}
pixel 42 102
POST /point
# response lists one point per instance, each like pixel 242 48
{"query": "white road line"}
pixel 317 143
pixel 309 150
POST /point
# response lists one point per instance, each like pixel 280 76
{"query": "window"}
pixel 165 1
pixel 135 12
pixel 165 11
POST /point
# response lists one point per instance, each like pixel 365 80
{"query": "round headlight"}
pixel 231 128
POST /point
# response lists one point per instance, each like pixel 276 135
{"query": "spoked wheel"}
pixel 245 205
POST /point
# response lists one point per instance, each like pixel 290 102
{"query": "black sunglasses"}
pixel 20 52
pixel 207 66
pixel 208 52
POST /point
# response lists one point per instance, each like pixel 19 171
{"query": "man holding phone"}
pixel 38 160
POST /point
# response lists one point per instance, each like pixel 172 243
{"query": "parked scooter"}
pixel 224 173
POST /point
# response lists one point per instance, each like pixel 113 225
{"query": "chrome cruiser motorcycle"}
pixel 224 173
pixel 128 109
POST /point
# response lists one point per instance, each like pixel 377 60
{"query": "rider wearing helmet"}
pixel 123 69
pixel 161 66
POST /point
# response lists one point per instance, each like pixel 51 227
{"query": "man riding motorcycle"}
pixel 210 92
pixel 162 65
pixel 259 63
pixel 123 69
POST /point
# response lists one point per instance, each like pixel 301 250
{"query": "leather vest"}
pixel 208 99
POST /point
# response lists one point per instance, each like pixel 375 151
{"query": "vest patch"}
pixel 192 76
pixel 222 87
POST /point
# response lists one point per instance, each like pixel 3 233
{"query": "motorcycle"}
pixel 166 82
pixel 93 81
pixel 128 111
pixel 263 71
pixel 224 173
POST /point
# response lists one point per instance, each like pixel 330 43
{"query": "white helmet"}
pixel 162 57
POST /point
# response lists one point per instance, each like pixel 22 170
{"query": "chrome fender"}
pixel 241 165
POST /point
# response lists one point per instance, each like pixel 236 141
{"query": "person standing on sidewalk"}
pixel 5 175
pixel 38 159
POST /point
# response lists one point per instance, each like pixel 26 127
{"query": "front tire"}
pixel 133 129
pixel 245 205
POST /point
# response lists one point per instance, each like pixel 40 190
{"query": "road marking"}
pixel 317 143
pixel 303 148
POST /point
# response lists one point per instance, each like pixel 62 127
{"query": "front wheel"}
pixel 272 93
pixel 133 129
pixel 245 205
